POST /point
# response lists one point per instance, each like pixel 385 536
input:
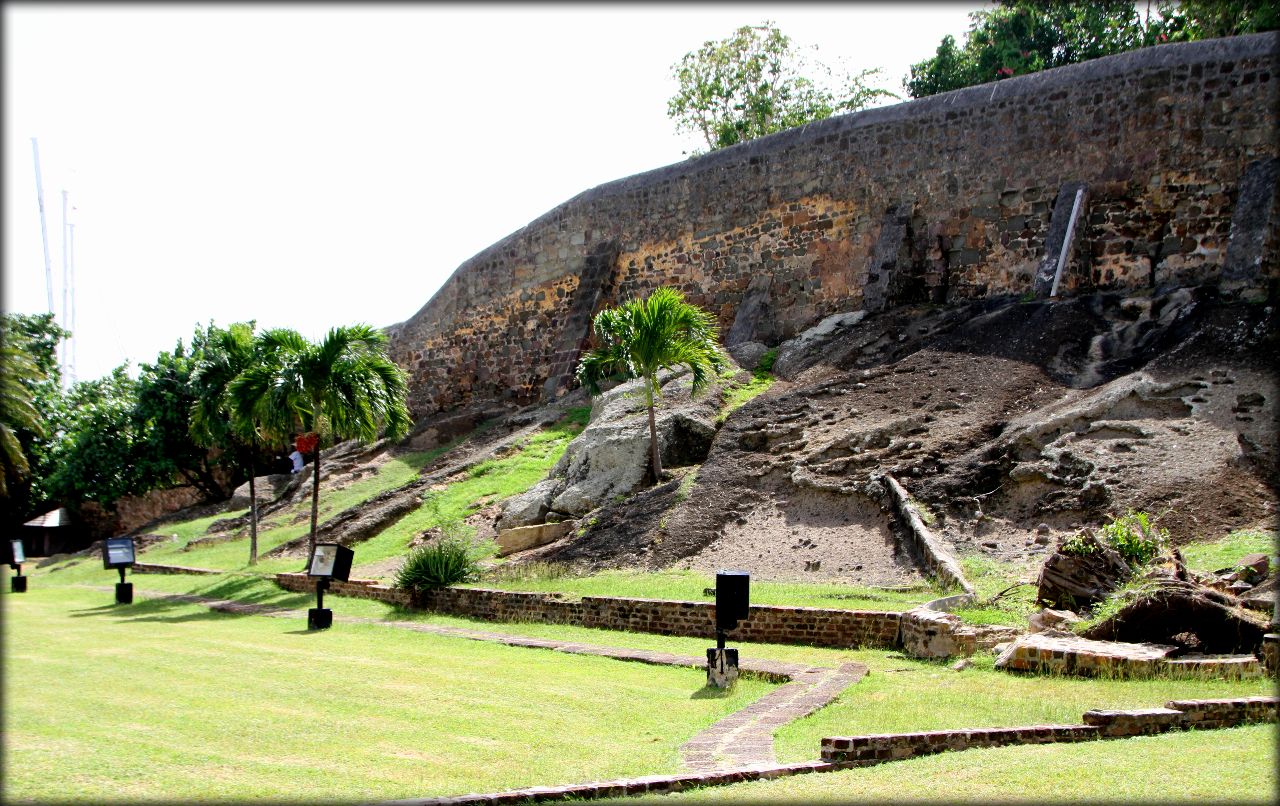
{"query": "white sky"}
pixel 308 166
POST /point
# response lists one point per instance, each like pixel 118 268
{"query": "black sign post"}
pixel 17 556
pixel 329 562
pixel 733 603
pixel 118 553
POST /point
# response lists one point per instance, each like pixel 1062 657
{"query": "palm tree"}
pixel 16 411
pixel 641 337
pixel 343 386
pixel 215 419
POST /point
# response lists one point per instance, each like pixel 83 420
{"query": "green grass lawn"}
pixel 168 701
pixel 185 659
pixel 1222 766
pixel 690 586
pixel 1225 552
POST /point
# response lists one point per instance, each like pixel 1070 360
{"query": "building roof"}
pixel 56 517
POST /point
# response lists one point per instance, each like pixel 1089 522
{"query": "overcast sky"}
pixel 308 166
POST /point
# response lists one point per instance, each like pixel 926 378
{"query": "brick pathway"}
pixel 742 739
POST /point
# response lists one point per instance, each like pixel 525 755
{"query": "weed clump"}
pixel 1133 535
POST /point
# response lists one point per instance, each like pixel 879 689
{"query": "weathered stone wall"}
pixel 133 511
pixel 769 624
pixel 1161 137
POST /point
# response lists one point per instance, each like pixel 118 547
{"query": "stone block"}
pixel 521 538
pixel 1137 722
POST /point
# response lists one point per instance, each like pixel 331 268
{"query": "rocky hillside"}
pixel 1011 422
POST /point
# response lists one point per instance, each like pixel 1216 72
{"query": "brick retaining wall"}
pixel 765 624
pixel 861 751
pixel 874 749
pixel 1225 713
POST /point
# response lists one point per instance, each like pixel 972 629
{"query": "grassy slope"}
pixel 489 482
pixel 282 526
pixel 689 586
pixel 195 704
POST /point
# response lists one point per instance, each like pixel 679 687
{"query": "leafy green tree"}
pixel 93 461
pixel 343 387
pixel 1022 36
pixel 641 337
pixel 17 412
pixel 1210 19
pixel 164 450
pixel 29 373
pixel 754 83
pixel 215 422
pixel 1025 36
pixel 120 436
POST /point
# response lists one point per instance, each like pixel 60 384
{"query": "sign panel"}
pixel 17 554
pixel 322 562
pixel 331 560
pixel 117 552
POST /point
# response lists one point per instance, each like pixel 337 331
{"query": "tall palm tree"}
pixel 641 337
pixel 16 410
pixel 343 386
pixel 215 419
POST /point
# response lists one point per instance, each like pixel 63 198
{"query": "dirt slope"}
pixel 997 416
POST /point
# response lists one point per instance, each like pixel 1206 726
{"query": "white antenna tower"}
pixel 65 274
pixel 44 230
pixel 71 324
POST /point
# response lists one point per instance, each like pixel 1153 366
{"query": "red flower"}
pixel 1005 71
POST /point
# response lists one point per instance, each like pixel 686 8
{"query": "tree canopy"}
pixel 641 337
pixel 755 82
pixel 31 399
pixel 1025 36
pixel 342 387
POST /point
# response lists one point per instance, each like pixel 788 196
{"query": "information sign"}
pixel 331 561
pixel 322 562
pixel 118 552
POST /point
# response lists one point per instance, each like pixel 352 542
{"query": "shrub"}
pixel 1079 544
pixel 766 362
pixel 450 561
pixel 1135 536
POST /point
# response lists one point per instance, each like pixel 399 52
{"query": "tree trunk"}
pixel 653 432
pixel 315 505
pixel 253 515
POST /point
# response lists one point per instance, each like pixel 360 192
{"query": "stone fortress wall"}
pixel 960 195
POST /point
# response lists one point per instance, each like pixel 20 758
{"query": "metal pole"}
pixel 1066 243
pixel 65 272
pixel 44 229
pixel 71 325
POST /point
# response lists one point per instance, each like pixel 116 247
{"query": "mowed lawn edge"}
pixel 166 701
pixel 1234 765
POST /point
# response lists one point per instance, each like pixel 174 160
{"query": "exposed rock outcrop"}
pixel 610 459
